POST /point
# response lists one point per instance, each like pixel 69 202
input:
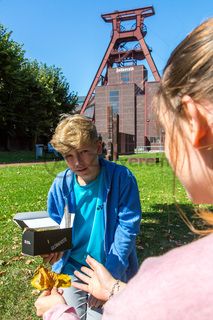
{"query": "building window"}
pixel 125 76
pixel 154 139
pixel 114 101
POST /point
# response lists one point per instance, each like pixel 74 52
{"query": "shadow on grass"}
pixel 163 229
pixel 26 156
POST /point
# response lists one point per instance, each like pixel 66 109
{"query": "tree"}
pixel 11 60
pixel 32 95
pixel 46 96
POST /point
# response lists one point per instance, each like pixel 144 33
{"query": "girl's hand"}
pixel 97 280
pixel 47 300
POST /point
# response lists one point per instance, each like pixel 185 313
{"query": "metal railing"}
pixel 141 149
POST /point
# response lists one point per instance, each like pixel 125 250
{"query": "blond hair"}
pixel 188 71
pixel 73 132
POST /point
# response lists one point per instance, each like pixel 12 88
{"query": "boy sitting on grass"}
pixel 105 199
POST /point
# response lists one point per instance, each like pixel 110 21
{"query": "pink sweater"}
pixel 61 312
pixel 177 285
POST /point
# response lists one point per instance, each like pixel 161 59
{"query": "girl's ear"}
pixel 197 121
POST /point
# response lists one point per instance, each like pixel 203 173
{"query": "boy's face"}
pixel 84 161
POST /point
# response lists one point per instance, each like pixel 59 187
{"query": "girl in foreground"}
pixel 179 284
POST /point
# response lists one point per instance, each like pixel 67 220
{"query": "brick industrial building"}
pixel 120 100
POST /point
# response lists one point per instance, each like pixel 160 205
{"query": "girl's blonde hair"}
pixel 188 71
pixel 73 132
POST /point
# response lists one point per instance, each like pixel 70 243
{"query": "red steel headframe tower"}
pixel 114 55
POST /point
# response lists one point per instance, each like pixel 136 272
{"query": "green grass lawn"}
pixel 24 188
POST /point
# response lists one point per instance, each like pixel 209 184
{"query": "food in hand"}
pixel 44 279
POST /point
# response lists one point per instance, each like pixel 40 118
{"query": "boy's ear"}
pixel 99 147
pixel 198 122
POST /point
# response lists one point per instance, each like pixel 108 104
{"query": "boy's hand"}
pixel 52 257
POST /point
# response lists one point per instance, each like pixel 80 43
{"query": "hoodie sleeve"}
pixel 128 226
pixel 59 191
pixel 55 201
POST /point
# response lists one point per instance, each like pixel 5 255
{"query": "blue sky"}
pixel 71 34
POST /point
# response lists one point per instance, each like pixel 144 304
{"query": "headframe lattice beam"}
pixel 118 36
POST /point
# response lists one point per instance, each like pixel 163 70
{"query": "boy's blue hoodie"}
pixel 122 213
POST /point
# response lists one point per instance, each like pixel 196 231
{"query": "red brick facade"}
pixel 130 96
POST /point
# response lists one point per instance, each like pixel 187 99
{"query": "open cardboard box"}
pixel 43 235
